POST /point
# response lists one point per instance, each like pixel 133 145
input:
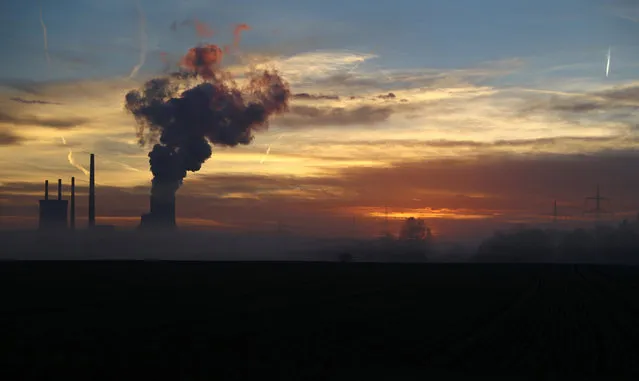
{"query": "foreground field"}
pixel 304 321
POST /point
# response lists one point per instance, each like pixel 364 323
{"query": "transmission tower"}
pixel 597 211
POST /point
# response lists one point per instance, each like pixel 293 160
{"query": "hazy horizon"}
pixel 474 117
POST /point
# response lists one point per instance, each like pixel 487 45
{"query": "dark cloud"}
pixel 577 106
pixel 624 101
pixel 315 96
pixel 387 96
pixel 24 85
pixel 506 181
pixel 57 123
pixel 352 81
pixel 504 143
pixel 630 94
pixel 503 183
pixel 8 139
pixel 301 116
pixel 422 78
pixel 513 186
pixel 34 101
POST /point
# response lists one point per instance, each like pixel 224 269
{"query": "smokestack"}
pixel 59 189
pixel 72 222
pixel 92 192
pixel 46 189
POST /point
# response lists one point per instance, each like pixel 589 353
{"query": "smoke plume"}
pixel 202 29
pixel 237 34
pixel 184 123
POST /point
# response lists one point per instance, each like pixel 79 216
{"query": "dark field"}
pixel 325 321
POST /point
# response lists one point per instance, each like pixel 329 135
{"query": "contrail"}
pixel 130 168
pixel 71 160
pixel 143 40
pixel 78 166
pixel 44 31
pixel 608 63
pixel 268 150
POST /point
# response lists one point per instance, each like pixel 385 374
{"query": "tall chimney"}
pixel 46 189
pixel 59 189
pixel 72 222
pixel 92 192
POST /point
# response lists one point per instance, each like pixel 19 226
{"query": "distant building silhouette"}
pixel 161 214
pixel 92 192
pixel 53 213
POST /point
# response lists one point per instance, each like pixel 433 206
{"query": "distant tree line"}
pixel 413 243
pixel 600 243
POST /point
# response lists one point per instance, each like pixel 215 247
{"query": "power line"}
pixel 598 210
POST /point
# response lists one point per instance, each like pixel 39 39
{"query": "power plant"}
pixel 161 214
pixel 55 214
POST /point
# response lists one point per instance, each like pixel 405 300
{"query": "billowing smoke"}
pixel 183 121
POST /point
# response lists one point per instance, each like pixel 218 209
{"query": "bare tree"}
pixel 414 229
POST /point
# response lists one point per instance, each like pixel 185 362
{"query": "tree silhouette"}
pixel 414 229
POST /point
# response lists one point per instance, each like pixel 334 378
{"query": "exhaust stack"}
pixel 46 189
pixel 92 192
pixel 72 217
pixel 59 189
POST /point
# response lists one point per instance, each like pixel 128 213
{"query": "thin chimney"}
pixel 72 203
pixel 46 189
pixel 59 189
pixel 92 192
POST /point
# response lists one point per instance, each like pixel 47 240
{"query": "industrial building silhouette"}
pixel 55 214
pixel 58 213
pixel 161 215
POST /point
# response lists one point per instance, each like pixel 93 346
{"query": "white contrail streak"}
pixel 268 150
pixel 44 32
pixel 130 168
pixel 608 62
pixel 78 166
pixel 143 40
pixel 71 160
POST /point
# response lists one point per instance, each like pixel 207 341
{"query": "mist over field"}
pixel 598 243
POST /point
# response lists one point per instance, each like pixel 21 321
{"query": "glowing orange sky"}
pixel 452 146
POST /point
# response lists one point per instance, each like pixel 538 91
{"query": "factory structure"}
pixel 54 212
pixel 57 213
pixel 161 214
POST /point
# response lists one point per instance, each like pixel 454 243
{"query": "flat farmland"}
pixel 325 321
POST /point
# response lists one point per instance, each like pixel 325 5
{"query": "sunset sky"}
pixel 470 114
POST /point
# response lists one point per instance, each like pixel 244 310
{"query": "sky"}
pixel 472 115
